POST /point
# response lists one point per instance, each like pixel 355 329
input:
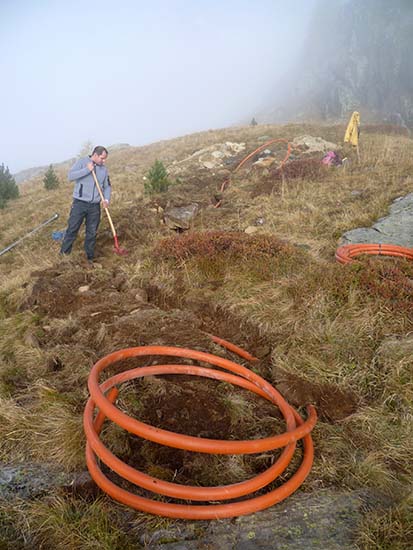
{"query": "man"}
pixel 86 200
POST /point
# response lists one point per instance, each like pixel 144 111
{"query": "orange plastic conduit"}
pixel 261 147
pixel 235 349
pixel 243 377
pixel 345 254
pixel 226 182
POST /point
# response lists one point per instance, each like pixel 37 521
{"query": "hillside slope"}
pixel 256 267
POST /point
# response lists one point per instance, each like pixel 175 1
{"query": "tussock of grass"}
pixel 48 431
pixel 388 530
pixel 395 363
pixel 61 523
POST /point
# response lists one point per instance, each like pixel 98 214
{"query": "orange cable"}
pixel 226 182
pixel 243 377
pixel 345 254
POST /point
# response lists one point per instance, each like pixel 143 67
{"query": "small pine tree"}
pixel 157 179
pixel 8 187
pixel 253 122
pixel 50 179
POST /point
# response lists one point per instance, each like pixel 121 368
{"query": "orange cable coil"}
pixel 345 254
pixel 297 429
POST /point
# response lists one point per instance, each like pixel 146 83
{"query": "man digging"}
pixel 86 200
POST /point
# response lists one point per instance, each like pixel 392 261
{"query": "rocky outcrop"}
pixel 357 57
pixel 395 229
pixel 317 521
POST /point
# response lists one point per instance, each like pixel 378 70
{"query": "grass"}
pixel 389 530
pixel 64 523
pixel 330 330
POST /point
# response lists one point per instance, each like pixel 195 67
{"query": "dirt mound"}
pixel 65 290
pixel 332 403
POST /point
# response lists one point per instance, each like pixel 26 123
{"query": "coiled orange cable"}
pixel 243 377
pixel 346 254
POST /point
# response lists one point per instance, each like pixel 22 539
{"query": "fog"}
pixel 136 72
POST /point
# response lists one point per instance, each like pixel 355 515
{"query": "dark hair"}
pixel 99 149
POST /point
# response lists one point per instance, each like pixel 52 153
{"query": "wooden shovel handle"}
pixel 105 207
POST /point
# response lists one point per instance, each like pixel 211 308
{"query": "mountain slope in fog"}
pixel 357 56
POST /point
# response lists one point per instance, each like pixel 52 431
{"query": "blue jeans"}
pixel 81 210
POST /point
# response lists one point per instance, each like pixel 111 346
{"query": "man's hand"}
pixel 105 203
pixel 91 165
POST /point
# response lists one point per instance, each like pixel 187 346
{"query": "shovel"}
pixel 118 250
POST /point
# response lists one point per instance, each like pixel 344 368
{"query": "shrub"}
pixel 8 187
pixel 391 281
pixel 157 179
pixel 211 243
pixel 50 179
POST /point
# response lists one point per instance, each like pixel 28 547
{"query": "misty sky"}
pixel 134 71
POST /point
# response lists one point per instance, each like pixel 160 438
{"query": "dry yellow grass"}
pixel 324 331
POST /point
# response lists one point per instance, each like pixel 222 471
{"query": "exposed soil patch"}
pixel 56 293
pixel 188 406
pixel 94 295
pixel 136 225
pixel 201 408
pixel 331 402
pixel 217 322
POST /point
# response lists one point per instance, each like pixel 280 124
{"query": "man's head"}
pixel 99 155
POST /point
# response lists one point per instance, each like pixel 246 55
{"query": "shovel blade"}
pixel 118 250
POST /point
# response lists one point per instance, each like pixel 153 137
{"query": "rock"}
pixel 210 165
pixel 396 228
pixel 224 173
pixel 31 480
pixel 141 295
pixel 218 154
pixel 251 229
pixel 264 161
pixel 213 157
pixel 314 144
pixel 235 147
pixel 323 520
pixel 83 289
pixel 180 217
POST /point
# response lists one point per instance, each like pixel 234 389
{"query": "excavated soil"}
pixel 112 314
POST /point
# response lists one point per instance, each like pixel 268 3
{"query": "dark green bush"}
pixel 50 180
pixel 8 187
pixel 157 179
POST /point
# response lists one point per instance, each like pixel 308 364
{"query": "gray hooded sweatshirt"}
pixel 85 188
